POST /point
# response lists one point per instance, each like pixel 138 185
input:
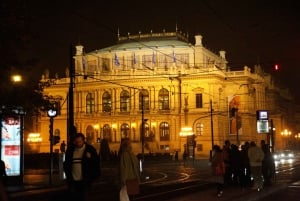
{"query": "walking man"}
pixel 256 156
pixel 82 167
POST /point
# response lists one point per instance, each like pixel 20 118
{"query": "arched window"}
pixel 163 99
pixel 90 103
pixel 164 131
pixel 107 133
pixel 125 131
pixel 124 101
pixel 106 102
pixel 144 99
pixel 199 129
pixel 149 136
pixel 90 137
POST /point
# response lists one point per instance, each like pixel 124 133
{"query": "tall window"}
pixel 163 99
pixel 149 136
pixel 90 103
pixel 164 131
pixel 144 99
pixel 199 102
pixel 199 129
pixel 124 101
pixel 125 131
pixel 106 102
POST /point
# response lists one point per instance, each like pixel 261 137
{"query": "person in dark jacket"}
pixel 81 166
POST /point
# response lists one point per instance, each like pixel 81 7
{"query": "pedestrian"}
pixel 246 175
pixel 81 166
pixel 129 170
pixel 256 156
pixel 63 147
pixel 3 177
pixel 268 164
pixel 176 155
pixel 227 154
pixel 218 168
pixel 236 165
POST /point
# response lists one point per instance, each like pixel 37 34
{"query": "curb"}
pixel 254 195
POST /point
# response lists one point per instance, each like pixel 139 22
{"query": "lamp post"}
pixel 51 113
pixel 70 117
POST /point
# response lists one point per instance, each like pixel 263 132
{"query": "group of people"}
pixel 251 165
pixel 82 168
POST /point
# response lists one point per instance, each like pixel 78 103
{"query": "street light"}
pixel 16 78
pixel 188 133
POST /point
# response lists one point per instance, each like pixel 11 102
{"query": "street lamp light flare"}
pixel 186 131
pixel 16 78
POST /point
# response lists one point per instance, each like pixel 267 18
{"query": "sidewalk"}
pixel 231 194
pixel 39 185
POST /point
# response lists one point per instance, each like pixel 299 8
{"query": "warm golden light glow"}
pixel 34 137
pixel 16 78
pixel 186 131
pixel 96 126
pixel 286 133
pixel 153 124
pixel 114 126
pixel 133 125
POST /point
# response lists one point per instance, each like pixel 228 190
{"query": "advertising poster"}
pixel 262 117
pixel 235 119
pixel 11 144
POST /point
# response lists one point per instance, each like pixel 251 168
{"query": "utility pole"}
pixel 272 136
pixel 237 127
pixel 212 128
pixel 70 117
pixel 211 125
pixel 143 129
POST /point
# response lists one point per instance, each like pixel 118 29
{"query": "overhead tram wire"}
pixel 152 48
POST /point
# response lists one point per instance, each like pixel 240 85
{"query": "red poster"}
pixel 12 150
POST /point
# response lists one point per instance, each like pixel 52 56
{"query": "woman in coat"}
pixel 218 168
pixel 129 168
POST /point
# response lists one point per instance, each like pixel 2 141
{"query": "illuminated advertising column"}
pixel 12 144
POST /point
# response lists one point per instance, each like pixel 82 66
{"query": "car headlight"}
pixel 291 155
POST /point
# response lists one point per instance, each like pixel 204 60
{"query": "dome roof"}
pixel 160 40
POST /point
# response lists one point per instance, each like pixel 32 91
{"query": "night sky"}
pixel 251 32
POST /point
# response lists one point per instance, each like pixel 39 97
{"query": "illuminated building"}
pixel 174 83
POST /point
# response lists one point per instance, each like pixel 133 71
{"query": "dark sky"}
pixel 251 32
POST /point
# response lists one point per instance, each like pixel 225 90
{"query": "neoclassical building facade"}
pixel 175 87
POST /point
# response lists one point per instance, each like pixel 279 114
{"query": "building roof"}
pixel 157 40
